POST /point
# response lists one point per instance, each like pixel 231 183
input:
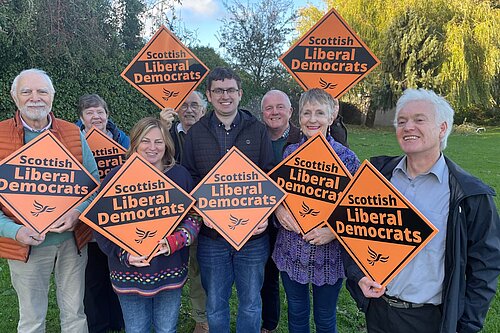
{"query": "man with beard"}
pixel 32 257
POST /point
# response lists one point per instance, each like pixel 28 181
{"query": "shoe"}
pixel 201 328
pixel 265 330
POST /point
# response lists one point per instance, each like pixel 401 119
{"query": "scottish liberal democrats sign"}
pixel 329 56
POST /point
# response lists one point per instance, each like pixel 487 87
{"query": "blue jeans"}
pixel 324 305
pixel 221 266
pixel 160 311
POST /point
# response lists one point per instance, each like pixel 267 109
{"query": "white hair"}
pixel 13 88
pixel 443 110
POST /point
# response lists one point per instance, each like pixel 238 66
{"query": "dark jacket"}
pixel 178 139
pixel 201 149
pixel 118 135
pixel 472 253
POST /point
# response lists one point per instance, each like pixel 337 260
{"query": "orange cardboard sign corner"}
pixel 107 153
pixel 165 70
pixel 329 56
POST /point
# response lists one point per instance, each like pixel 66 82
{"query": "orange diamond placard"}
pixel 138 207
pixel 165 71
pixel 107 153
pixel 42 180
pixel 378 226
pixel 314 178
pixel 329 56
pixel 236 196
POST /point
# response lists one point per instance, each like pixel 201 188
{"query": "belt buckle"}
pixel 397 303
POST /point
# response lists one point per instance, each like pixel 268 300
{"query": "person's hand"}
pixel 370 288
pixel 286 219
pixel 319 236
pixel 208 224
pixel 137 261
pixel 261 227
pixel 28 236
pixel 167 116
pixel 67 222
pixel 164 247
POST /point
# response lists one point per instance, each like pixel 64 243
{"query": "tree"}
pixel 254 36
pixel 451 46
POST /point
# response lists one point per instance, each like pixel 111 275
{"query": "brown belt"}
pixel 400 304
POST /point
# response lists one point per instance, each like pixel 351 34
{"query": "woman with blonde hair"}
pixel 150 293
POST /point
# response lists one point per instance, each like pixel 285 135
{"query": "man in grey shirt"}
pixel 450 283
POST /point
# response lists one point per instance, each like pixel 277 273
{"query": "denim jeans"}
pixel 221 266
pixel 324 305
pixel 160 311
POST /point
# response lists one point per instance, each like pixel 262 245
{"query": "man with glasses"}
pixel 193 108
pixel 220 264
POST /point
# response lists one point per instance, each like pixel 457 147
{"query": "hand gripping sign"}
pixel 329 56
pixel 107 153
pixel 42 181
pixel 138 207
pixel 314 178
pixel 378 226
pixel 236 196
pixel 165 70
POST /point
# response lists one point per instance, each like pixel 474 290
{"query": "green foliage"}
pixel 450 46
pixel 254 35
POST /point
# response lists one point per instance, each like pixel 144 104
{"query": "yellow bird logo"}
pixel 236 222
pixel 306 210
pixel 143 234
pixel 40 208
pixel 376 257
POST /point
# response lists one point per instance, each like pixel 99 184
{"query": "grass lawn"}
pixel 476 153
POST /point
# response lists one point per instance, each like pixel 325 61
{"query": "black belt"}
pixel 400 304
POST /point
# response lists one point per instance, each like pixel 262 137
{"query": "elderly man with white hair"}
pixel 33 257
pixel 450 283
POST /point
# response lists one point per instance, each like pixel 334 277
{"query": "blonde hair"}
pixel 141 128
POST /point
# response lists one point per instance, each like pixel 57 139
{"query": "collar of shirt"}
pixel 438 169
pixel 25 125
pixel 215 122
pixel 285 133
pixel 180 128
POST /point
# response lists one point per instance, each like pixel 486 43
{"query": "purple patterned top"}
pixel 303 262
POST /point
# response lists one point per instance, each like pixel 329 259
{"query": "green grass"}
pixel 476 153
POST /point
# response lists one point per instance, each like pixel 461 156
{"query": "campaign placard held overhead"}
pixel 236 196
pixel 42 180
pixel 107 153
pixel 329 56
pixel 378 226
pixel 138 207
pixel 314 178
pixel 165 71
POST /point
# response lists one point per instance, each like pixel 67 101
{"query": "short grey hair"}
pixel 321 97
pixel 443 111
pixel 13 88
pixel 275 92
